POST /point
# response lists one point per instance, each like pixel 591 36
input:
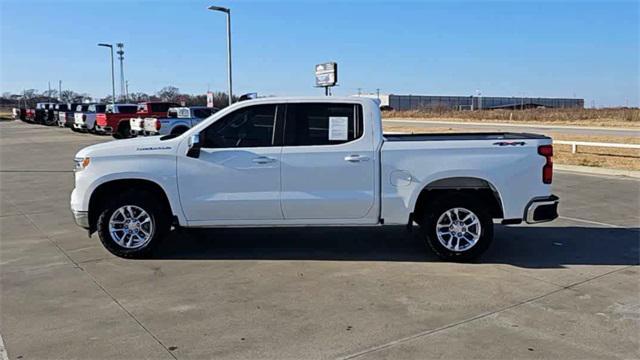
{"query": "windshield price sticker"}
pixel 338 128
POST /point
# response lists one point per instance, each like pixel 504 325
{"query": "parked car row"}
pixel 119 120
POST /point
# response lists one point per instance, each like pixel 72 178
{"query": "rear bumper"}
pixel 542 209
pixel 104 129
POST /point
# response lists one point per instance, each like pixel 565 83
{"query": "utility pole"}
pixel 49 91
pixel 378 93
pixel 60 90
pixel 359 91
pixel 126 90
pixel 120 53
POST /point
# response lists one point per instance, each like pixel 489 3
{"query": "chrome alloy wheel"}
pixel 458 229
pixel 131 227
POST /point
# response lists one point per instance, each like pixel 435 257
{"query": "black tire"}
pixel 123 132
pixel 160 217
pixel 432 213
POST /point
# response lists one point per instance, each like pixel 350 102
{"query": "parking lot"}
pixel 565 289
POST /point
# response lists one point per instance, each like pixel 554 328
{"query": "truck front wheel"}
pixel 457 228
pixel 133 224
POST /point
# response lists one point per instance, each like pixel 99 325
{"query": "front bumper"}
pixel 81 218
pixel 542 209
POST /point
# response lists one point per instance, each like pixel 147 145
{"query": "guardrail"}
pixel 575 144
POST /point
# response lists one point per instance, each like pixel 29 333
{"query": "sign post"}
pixel 209 99
pixel 326 76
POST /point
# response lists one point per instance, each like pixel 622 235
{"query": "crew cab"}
pixel 66 117
pixel 86 120
pixel 111 117
pixel 318 161
pixel 59 111
pixel 43 113
pixel 135 125
pixel 178 120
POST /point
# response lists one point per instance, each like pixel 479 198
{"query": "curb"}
pixel 597 171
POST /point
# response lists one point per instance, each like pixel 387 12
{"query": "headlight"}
pixel 81 163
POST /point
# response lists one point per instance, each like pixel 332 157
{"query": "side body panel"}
pixel 515 172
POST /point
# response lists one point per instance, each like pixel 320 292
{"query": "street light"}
pixel 113 78
pixel 228 12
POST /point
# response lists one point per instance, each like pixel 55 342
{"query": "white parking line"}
pixel 590 222
pixel 3 350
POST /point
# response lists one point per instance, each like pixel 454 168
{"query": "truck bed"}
pixel 462 136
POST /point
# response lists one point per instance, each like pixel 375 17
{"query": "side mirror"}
pixel 194 146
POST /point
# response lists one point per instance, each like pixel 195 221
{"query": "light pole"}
pixel 228 12
pixel 113 77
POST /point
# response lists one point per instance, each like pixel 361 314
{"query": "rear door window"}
pixel 309 124
pixel 127 109
pixel 201 113
pixel 161 107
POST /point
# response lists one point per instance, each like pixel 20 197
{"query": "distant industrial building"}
pixel 417 102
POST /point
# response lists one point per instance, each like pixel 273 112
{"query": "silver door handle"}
pixel 356 158
pixel 263 160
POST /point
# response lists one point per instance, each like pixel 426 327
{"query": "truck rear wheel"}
pixel 457 228
pixel 123 132
pixel 133 224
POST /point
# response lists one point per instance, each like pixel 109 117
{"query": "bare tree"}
pixel 69 96
pixel 169 93
pixel 138 97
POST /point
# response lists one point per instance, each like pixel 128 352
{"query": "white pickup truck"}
pixel 178 120
pixel 318 161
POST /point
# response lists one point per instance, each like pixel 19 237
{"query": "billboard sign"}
pixel 326 74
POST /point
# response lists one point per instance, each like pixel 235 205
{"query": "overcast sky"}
pixel 502 48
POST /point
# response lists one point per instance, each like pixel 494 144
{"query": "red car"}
pixel 109 121
pixel 118 123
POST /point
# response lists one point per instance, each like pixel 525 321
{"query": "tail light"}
pixel 158 125
pixel 101 119
pixel 547 169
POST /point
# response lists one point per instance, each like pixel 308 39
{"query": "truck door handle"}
pixel 355 158
pixel 263 160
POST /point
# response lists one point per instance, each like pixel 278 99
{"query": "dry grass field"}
pixel 613 158
pixel 618 117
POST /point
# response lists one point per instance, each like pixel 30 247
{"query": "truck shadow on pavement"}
pixel 530 247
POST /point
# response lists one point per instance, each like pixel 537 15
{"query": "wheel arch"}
pixel 182 126
pixel 108 188
pixel 468 185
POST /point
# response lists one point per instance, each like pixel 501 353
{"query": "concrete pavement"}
pixel 566 289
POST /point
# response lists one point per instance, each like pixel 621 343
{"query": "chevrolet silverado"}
pixel 319 161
